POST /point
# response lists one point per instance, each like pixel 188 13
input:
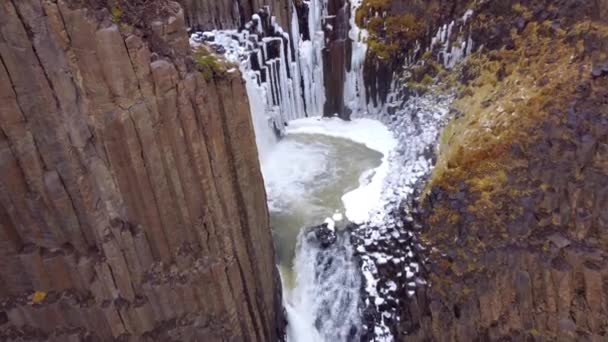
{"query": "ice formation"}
pixel 451 53
pixel 283 71
pixel 354 88
pixel 387 237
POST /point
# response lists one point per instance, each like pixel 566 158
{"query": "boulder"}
pixel 324 233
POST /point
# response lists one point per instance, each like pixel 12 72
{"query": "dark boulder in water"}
pixel 325 234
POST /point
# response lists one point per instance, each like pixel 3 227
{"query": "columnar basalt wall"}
pixel 232 14
pixel 131 199
pixel 400 32
pixel 336 57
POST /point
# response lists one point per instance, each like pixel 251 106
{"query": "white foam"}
pixel 290 168
pixel 300 327
pixel 337 217
pixel 324 305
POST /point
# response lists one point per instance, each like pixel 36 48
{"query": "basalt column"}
pixel 232 14
pixel 131 199
pixel 336 57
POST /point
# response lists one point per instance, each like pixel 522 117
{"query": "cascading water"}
pixel 305 175
pixel 310 56
pixel 354 88
pixel 327 293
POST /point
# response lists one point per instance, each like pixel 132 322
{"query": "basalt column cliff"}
pixel 514 215
pixel 131 200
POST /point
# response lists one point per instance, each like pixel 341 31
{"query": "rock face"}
pixel 400 31
pixel 131 197
pixel 336 58
pixel 232 14
pixel 325 235
pixel 520 294
pixel 516 212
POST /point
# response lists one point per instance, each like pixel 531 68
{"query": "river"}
pixel 306 176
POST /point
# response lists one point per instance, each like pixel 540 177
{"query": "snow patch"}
pixel 338 217
pixel 331 225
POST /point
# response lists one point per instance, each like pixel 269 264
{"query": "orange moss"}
pixel 443 214
pixel 390 35
pixel 499 113
pixel 38 297
pixel 403 27
pixel 369 8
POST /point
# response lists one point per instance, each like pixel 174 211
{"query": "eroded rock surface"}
pixel 337 58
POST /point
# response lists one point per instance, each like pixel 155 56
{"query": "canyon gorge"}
pixel 304 170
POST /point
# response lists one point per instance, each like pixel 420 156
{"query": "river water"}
pixel 306 176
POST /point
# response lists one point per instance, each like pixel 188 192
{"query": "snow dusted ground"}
pixel 360 202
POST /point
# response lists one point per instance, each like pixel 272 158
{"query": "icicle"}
pixel 354 87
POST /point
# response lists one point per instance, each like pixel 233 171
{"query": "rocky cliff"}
pixel 514 215
pixel 131 199
pixel 400 31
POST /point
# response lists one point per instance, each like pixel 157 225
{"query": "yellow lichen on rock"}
pixel 210 64
pixel 38 297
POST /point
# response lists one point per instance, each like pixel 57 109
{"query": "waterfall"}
pixel 284 75
pixel 325 304
pixel 311 57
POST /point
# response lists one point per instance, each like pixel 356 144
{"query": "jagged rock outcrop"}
pixel 131 198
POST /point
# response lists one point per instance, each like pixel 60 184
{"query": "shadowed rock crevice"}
pixel 205 15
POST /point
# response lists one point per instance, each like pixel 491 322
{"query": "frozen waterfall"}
pixel 284 67
pixel 283 71
pixel 284 74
